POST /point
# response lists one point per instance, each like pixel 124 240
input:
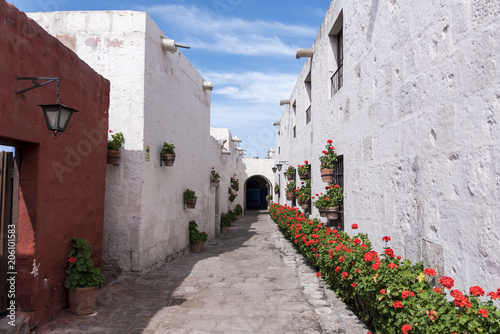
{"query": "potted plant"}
pixel 114 145
pixel 225 223
pixel 233 217
pixel 235 184
pixel 214 178
pixel 276 189
pixel 320 203
pixel 190 198
pixel 196 238
pixel 168 154
pixel 239 210
pixel 303 170
pixel 333 201
pixel 303 194
pixel 290 173
pixel 269 199
pixel 232 196
pixel 328 162
pixel 290 190
pixel 83 279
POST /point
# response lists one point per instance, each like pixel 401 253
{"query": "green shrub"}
pixel 194 234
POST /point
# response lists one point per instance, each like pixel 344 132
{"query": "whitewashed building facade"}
pixel 156 96
pixel 409 92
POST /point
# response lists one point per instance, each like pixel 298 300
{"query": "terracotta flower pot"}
pixel 304 176
pixel 168 159
pixel 190 203
pixel 215 183
pixel 322 212
pixel 290 177
pixel 197 246
pixel 332 212
pixel 326 175
pixel 235 187
pixel 232 198
pixel 82 300
pixel 224 229
pixel 304 205
pixel 290 196
pixel 113 157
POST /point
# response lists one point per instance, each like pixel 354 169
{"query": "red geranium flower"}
pixel 392 265
pixel 386 239
pixel 483 312
pixel 71 259
pixel 306 162
pixel 318 274
pixel 336 186
pixel 430 272
pixel 447 282
pixel 437 289
pixel 405 328
pixel 476 291
pixel 382 291
pixel 354 226
pixel 405 294
pixel 397 304
pixel 329 141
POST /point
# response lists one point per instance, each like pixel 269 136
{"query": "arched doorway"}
pixel 256 190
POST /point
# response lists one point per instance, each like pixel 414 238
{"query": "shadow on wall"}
pixel 136 303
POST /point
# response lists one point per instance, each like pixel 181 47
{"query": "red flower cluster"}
pixel 460 299
pixel 438 290
pixel 494 295
pixel 476 291
pixel 397 304
pixel 386 239
pixel 430 272
pixel 382 291
pixel 354 226
pixel 72 259
pixel 318 274
pixel 405 294
pixel 447 282
pixel 483 312
pixel 390 252
pixel 392 265
pixel 405 328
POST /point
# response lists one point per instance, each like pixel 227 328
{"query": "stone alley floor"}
pixel 249 281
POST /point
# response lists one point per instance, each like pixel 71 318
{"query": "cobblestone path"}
pixel 249 281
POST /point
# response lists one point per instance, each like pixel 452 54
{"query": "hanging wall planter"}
pixel 303 170
pixel 304 205
pixel 113 157
pixel 167 154
pixel 214 178
pixel 190 199
pixel 322 212
pixel 327 175
pixel 114 144
pixel 332 212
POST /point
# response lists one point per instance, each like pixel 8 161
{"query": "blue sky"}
pixel 245 47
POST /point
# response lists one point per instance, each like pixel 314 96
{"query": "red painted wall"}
pixel 62 179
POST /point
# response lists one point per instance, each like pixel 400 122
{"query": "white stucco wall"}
pixel 156 96
pixel 417 122
pixel 113 44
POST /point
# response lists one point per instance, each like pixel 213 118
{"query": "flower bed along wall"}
pixel 389 293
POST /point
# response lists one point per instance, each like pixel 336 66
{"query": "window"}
pixel 294 131
pixel 336 59
pixel 338 178
pixel 307 84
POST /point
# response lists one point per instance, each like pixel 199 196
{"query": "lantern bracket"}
pixel 36 84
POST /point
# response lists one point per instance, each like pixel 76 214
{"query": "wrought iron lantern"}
pixel 57 116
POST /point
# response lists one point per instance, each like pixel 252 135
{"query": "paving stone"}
pixel 249 281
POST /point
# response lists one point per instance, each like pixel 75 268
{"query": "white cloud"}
pixel 205 30
pixel 252 87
